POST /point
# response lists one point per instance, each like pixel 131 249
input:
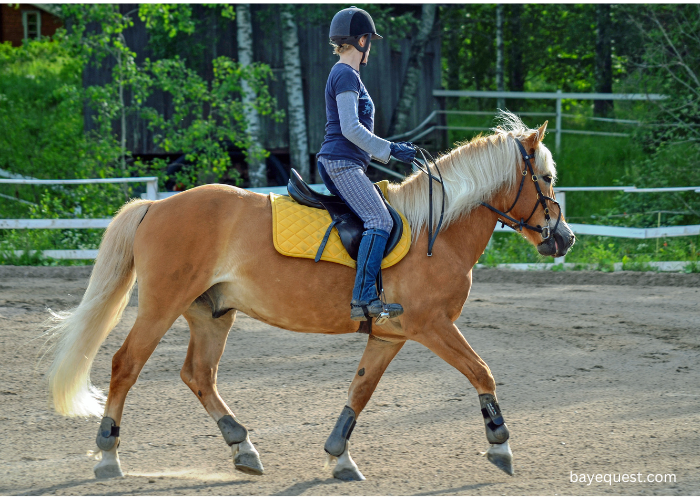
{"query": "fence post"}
pixel 561 198
pixel 557 143
pixel 152 189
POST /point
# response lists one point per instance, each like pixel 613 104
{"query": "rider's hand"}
pixel 403 151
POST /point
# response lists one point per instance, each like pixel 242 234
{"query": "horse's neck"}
pixel 469 235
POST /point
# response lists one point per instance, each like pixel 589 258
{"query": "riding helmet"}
pixel 351 24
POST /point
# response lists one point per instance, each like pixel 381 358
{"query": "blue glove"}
pixel 403 151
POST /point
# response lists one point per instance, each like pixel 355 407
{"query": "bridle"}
pixel 517 225
pixel 542 199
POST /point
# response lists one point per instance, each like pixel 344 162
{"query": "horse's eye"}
pixel 547 178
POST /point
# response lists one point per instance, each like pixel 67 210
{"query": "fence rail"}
pixel 588 229
pixel 558 96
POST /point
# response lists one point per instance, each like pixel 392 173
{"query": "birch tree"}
pixel 298 140
pixel 409 87
pixel 500 86
pixel 257 170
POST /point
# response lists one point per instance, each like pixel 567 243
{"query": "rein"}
pixel 431 237
pixel 541 199
pixel 517 225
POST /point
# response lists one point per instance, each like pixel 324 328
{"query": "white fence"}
pixel 558 96
pixel 153 194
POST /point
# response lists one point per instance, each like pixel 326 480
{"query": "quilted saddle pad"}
pixel 297 231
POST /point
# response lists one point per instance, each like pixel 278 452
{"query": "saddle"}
pixel 349 226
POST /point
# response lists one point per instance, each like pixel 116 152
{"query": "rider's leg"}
pixel 352 184
pixel 328 181
pixel 365 299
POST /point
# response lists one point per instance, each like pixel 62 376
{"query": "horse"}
pixel 207 253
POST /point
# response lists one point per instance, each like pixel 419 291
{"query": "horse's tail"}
pixel 80 331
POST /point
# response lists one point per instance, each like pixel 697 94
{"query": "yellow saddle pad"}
pixel 297 231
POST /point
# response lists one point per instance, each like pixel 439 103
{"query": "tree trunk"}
pixel 500 85
pixel 411 79
pixel 257 171
pixel 517 73
pixel 603 60
pixel 298 141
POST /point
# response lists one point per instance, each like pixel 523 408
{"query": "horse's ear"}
pixel 536 137
pixel 541 131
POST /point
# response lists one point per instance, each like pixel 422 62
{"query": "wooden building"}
pixel 382 77
pixel 24 21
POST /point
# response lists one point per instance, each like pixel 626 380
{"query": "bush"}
pixel 600 251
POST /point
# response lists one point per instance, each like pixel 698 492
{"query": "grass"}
pixel 583 160
pixel 601 251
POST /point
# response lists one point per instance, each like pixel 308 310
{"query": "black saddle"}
pixel 349 225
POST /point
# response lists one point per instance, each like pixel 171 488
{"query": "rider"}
pixel 349 145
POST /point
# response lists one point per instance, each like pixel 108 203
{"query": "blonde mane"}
pixel 472 172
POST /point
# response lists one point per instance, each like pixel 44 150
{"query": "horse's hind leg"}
pixel 377 356
pixel 448 342
pixel 126 366
pixel 207 341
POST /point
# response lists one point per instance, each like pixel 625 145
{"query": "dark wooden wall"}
pixel 382 76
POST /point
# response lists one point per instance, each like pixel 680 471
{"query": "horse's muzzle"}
pixel 559 243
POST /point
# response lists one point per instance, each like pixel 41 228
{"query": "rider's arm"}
pixel 355 132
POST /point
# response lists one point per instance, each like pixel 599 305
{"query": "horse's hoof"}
pixel 348 475
pixel 501 456
pixel 249 463
pixel 105 471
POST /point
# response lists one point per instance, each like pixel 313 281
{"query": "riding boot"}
pixel 365 299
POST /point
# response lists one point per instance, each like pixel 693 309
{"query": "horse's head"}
pixel 510 172
pixel 530 206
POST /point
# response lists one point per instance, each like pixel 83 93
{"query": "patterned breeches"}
pixel 349 181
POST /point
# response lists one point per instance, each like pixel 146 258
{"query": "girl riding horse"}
pixel 349 145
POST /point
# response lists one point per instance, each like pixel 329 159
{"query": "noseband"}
pixel 541 199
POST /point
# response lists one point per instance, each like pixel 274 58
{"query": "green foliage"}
pixel 42 103
pixel 600 251
pixel 556 43
pixel 41 111
pixel 213 114
pixel 583 161
pixel 508 248
pixel 207 116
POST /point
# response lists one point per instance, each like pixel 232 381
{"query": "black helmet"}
pixel 351 24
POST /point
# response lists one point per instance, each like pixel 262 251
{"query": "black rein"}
pixel 518 225
pixel 431 237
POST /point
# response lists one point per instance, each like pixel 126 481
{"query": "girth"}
pixel 349 226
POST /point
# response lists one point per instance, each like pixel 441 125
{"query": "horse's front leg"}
pixel 377 356
pixel 445 340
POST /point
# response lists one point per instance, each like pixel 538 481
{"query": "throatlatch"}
pixel 107 434
pixel 233 431
pixel 496 429
pixel 337 441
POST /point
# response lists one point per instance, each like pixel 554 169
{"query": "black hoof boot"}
pixel 376 309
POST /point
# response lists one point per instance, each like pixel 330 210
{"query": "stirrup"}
pixel 375 309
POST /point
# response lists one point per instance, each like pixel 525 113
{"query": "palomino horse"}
pixel 208 252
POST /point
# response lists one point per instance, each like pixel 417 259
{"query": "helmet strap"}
pixel 356 43
pixel 363 61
